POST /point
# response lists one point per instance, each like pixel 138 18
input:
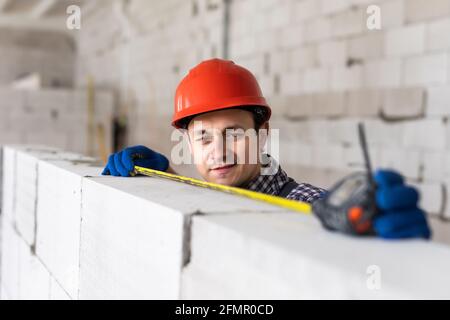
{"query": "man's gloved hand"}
pixel 399 215
pixel 122 163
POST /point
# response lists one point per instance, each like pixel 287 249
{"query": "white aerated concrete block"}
pixel 34 278
pixel 434 139
pixel 383 73
pixel 436 165
pixel 9 261
pixel 57 292
pixel 59 218
pixel 8 183
pixel 3 294
pixel 364 102
pixel 127 256
pixel 429 69
pixel 437 35
pixel 290 256
pixel 133 234
pixel 25 197
pixel 404 102
pixel 431 197
pixel 26 181
pixel 420 10
pixel 405 41
pixel 438 102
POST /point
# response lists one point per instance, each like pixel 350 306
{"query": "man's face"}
pixel 225 147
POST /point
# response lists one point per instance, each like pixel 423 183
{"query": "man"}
pixel 216 104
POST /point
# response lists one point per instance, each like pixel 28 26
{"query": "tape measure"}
pixel 294 205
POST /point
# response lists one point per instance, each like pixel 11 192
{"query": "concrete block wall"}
pixel 56 117
pixel 52 55
pixel 319 65
pixel 95 237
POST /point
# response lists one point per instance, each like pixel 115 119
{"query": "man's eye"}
pixel 235 135
pixel 204 139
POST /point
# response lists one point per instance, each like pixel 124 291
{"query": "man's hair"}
pixel 259 115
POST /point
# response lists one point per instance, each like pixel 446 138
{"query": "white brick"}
pixel 426 134
pixel 25 186
pixel 438 102
pixel 343 131
pixel 384 134
pixel 404 102
pixel 436 165
pixel 314 134
pixel 8 183
pixel 57 292
pixel 431 197
pixel 328 156
pixel 305 10
pixel 368 46
pixel 291 83
pixel 405 41
pixel 292 36
pixel 303 57
pixel 364 102
pixel 279 62
pixel 350 22
pixel 405 161
pixel 318 29
pixel 343 78
pixel 419 10
pixel 9 261
pixel 140 256
pixel 25 197
pixel 316 80
pixel 392 14
pixel 227 252
pixel 299 106
pixel 279 16
pixel 59 218
pixel 332 53
pixel 354 160
pixel 437 35
pixel 447 195
pixel 383 73
pixel 329 104
pixel 329 7
pixel 426 70
pixel 34 279
pixel 441 230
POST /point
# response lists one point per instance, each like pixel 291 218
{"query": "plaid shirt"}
pixel 273 184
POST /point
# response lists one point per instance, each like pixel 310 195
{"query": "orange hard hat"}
pixel 214 85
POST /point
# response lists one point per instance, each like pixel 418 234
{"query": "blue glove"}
pixel 122 163
pixel 399 216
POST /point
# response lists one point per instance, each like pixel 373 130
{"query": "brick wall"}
pixel 50 54
pixel 69 233
pixel 320 67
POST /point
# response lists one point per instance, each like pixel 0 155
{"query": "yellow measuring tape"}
pixel 299 206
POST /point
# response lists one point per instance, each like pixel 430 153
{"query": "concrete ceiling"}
pixel 37 14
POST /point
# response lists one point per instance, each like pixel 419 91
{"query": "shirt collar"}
pixel 269 184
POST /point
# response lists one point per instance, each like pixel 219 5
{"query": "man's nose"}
pixel 221 149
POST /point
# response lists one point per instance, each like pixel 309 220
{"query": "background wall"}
pixel 320 67
pixel 51 54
